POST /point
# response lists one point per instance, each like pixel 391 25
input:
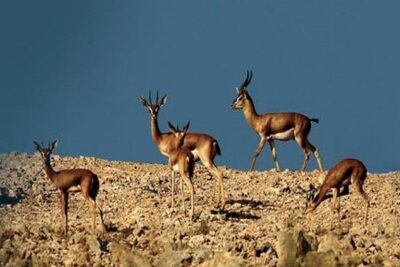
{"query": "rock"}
pixel 196 241
pixel 224 259
pixel 317 259
pixel 94 245
pixel 332 242
pixel 291 246
pixel 173 259
pixel 122 256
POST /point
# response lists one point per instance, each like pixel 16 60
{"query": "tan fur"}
pixel 346 172
pixel 204 145
pixel 70 181
pixel 275 126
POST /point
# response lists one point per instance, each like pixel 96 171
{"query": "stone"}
pixel 123 256
pixel 291 246
pixel 180 258
pixel 224 259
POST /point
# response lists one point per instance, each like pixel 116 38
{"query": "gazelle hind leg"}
pixel 365 197
pixel 182 194
pixel 219 181
pixel 274 154
pixel 302 142
pixel 95 209
pixel 189 185
pixel 317 156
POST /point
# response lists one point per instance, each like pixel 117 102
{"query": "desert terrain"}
pixel 263 223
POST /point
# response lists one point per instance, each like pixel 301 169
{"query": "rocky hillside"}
pixel 263 223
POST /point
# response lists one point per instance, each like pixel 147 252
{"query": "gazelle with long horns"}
pixel 283 126
pixel 345 172
pixel 181 160
pixel 203 146
pixel 65 180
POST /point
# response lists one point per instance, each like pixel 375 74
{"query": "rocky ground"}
pixel 263 223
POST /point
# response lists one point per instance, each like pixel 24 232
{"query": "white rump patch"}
pixel 283 136
pixel 175 168
pixel 195 154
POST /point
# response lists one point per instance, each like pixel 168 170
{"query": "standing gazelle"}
pixel 203 146
pixel 283 126
pixel 181 160
pixel 344 173
pixel 65 180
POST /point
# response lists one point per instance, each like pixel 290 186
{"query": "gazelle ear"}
pixel 144 101
pixel 37 146
pixel 54 145
pixel 163 100
pixel 237 90
pixel 171 127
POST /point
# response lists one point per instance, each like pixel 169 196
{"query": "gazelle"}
pixel 66 180
pixel 346 172
pixel 283 126
pixel 181 160
pixel 203 146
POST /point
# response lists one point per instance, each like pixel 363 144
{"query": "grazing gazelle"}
pixel 65 180
pixel 275 126
pixel 203 146
pixel 181 160
pixel 344 173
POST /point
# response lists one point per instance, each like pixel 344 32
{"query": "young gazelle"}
pixel 344 173
pixel 203 146
pixel 181 160
pixel 66 180
pixel 275 126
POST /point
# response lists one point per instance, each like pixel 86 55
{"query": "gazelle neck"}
pixel 155 131
pixel 250 112
pixel 49 170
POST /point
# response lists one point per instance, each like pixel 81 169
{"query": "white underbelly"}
pixel 283 136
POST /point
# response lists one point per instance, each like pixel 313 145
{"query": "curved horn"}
pixel 150 97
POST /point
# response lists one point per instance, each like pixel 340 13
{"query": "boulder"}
pixel 224 259
pixel 291 247
pixel 123 256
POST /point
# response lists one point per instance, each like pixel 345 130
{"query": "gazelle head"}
pixel 179 134
pixel 45 152
pixel 310 196
pixel 242 94
pixel 153 108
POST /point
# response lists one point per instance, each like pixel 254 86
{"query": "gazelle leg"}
pixel 366 199
pixel 95 208
pixel 182 194
pixel 257 152
pixel 219 182
pixel 172 188
pixel 274 155
pixel 315 151
pixel 64 208
pixel 190 187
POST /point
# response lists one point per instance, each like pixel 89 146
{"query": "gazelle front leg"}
pixel 274 155
pixel 257 152
pixel 64 209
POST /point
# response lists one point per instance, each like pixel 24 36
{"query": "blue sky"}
pixel 75 70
